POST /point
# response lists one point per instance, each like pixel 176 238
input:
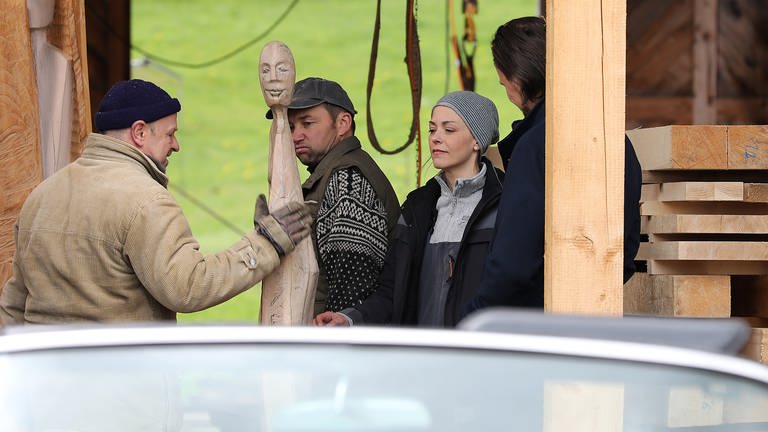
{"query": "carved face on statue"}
pixel 277 72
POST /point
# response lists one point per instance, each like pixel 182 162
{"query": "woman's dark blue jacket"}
pixel 514 270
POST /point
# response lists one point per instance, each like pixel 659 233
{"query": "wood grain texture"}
pixel 705 61
pixel 748 147
pixel 681 147
pixel 19 124
pixel 288 293
pixel 705 267
pixel 704 250
pixel 584 148
pixel 678 295
pixel 693 191
pixel 704 224
pixel 757 346
pixel 650 208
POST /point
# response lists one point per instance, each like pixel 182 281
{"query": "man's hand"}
pixel 331 319
pixel 286 226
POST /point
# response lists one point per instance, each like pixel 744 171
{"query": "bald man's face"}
pixel 277 72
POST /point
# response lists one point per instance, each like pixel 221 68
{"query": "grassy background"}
pixel 223 133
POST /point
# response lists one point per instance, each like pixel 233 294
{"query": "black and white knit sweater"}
pixel 351 231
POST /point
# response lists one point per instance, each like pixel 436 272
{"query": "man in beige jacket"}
pixel 104 240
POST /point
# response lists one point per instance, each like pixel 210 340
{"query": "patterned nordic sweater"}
pixel 351 234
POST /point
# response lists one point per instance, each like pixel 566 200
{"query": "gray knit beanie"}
pixel 478 113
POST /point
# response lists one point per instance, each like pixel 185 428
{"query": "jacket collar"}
pixel 520 127
pixel 328 161
pixel 103 147
pixel 464 187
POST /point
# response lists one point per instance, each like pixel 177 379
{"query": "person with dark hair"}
pixel 358 207
pixel 435 262
pixel 514 270
pixel 103 239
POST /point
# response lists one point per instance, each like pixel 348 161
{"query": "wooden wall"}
pixel 697 62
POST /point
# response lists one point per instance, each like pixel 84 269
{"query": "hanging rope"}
pixel 413 64
pixel 465 51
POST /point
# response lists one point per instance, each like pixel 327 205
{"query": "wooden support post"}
pixel 586 80
pixel 704 61
pixel 19 124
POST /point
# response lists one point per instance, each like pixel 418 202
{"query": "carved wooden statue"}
pixel 288 293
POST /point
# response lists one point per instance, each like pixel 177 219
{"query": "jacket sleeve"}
pixel 351 231
pixel 633 179
pixel 514 267
pixel 167 259
pixel 378 308
pixel 15 292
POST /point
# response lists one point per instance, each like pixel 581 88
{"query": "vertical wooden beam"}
pixel 19 124
pixel 704 61
pixel 586 80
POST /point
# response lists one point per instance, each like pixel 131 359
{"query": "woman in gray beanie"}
pixel 435 261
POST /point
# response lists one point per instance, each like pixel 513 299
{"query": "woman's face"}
pixel 514 93
pixel 450 141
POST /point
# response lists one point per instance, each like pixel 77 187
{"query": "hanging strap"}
pixel 469 46
pixel 413 63
pixel 465 51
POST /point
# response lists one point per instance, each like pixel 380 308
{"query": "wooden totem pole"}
pixel 288 293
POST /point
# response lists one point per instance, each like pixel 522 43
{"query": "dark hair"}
pixel 335 110
pixel 519 52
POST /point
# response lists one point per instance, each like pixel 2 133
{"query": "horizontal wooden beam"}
pixel 705 191
pixel 707 267
pixel 701 147
pixel 704 224
pixel 704 250
pixel 651 208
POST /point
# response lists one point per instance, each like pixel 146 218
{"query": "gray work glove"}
pixel 286 226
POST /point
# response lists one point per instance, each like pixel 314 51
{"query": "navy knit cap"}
pixel 129 101
pixel 478 113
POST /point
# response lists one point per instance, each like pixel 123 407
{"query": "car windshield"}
pixel 338 387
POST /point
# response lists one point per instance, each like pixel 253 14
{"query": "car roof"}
pixel 46 338
pixel 722 335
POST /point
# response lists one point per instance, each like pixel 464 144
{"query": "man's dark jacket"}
pixel 514 271
pixel 395 300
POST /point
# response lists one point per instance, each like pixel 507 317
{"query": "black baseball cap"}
pixel 313 91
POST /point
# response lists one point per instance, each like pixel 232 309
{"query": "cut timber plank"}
pixel 678 295
pixel 681 147
pixel 747 147
pixel 757 346
pixel 652 208
pixel 701 147
pixel 750 296
pixel 705 267
pixel 705 191
pixel 704 224
pixel 704 250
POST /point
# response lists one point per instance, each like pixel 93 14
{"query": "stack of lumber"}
pixel 704 209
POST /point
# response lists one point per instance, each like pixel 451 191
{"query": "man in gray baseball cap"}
pixel 358 207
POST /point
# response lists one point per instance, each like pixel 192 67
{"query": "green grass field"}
pixel 223 133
